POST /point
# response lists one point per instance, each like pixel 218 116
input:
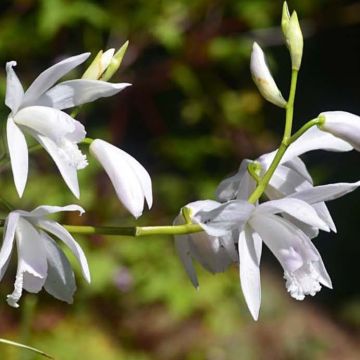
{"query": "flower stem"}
pixel 286 141
pixel 135 231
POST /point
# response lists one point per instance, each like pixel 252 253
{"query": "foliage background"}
pixel 190 117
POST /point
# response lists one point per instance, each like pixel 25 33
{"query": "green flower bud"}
pixel 293 36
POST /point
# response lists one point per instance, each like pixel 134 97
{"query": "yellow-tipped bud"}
pixel 115 62
pixel 99 65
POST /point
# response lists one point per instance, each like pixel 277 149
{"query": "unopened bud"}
pixel 263 78
pixel 115 62
pixel 99 65
pixel 293 36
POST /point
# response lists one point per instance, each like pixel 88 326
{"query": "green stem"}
pixel 317 121
pixel 290 106
pixel 262 184
pixel 135 231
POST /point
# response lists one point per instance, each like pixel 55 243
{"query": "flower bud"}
pixel 263 78
pixel 99 65
pixel 115 62
pixel 343 125
pixel 293 36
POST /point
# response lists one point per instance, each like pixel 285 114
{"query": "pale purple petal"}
pixel 60 281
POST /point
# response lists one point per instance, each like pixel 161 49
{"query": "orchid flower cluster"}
pixel 270 200
pixel 39 113
pixel 236 225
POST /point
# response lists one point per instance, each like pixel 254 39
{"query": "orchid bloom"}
pixel 38 112
pixel 214 253
pixel 289 177
pixel 131 181
pixel 304 270
pixel 41 262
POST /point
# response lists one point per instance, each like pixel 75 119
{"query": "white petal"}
pixel 60 232
pixel 304 270
pixel 315 139
pixel 225 217
pixel 250 252
pixel 8 240
pixel 125 179
pixel 299 167
pixel 324 214
pixel 329 192
pixel 50 76
pixel 344 125
pixel 18 152
pixel 143 178
pixel 46 121
pixel 32 264
pixel 67 169
pixel 263 78
pixel 60 281
pixel 183 250
pixel 285 181
pixel 229 187
pixel 14 90
pixel 298 209
pixel 227 241
pixel 209 252
pixel 72 93
pixel 44 210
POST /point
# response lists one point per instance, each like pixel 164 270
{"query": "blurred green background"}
pixel 190 117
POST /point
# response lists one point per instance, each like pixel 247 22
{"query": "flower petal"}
pixel 61 233
pixel 44 210
pixel 60 281
pixel 250 245
pixel 343 125
pixel 72 93
pixel 328 192
pixel 46 121
pixel 124 176
pixel 18 152
pixel 229 187
pixel 50 76
pixel 8 241
pixel 225 217
pixel 183 250
pixel 14 90
pixel 315 139
pixel 32 265
pixel 299 167
pixel 298 209
pixel 67 170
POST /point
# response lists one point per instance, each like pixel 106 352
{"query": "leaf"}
pixel 16 344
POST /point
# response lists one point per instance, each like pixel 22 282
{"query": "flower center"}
pixel 303 281
pixel 71 153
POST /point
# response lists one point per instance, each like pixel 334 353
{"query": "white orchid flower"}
pixel 37 112
pixel 41 262
pixel 343 125
pixel 304 270
pixel 131 181
pixel 289 177
pixel 214 253
pixel 263 78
